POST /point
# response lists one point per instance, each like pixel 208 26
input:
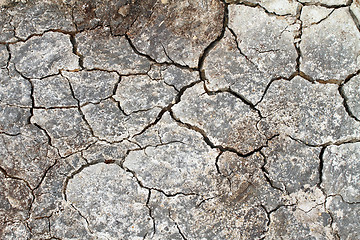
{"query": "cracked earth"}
pixel 164 119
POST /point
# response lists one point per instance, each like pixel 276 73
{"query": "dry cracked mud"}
pixel 191 119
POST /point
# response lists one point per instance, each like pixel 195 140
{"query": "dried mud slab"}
pixel 101 50
pixel 109 187
pixel 224 118
pixel 310 112
pixel 330 49
pixel 178 31
pixel 352 96
pixel 164 119
pixel 341 175
pixel 44 55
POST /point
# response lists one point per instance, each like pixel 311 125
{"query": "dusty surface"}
pixel 164 119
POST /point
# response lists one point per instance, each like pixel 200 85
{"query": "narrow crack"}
pixel 319 4
pixel 180 232
pixel 207 50
pixel 19 40
pixel 235 94
pixel 209 142
pixel 345 100
pixel 240 51
pixel 321 169
pixel 258 5
pixel 355 19
pixel 297 40
pixel 323 19
pixel 332 221
pixel 82 216
pixel 150 213
pixel 330 143
pixel 177 226
pixel 80 110
pixel 76 52
pixel 266 174
pixel 31 94
pixel 4 172
pixel 171 63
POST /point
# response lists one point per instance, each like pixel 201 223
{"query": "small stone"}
pixel 341 171
pixel 345 217
pixel 225 119
pixel 45 55
pixel 92 86
pixel 140 92
pixel 67 129
pixel 53 92
pixel 178 31
pixel 352 94
pixel 310 112
pixel 330 49
pixel 124 10
pixel 121 211
pixel 103 51
pixel 290 164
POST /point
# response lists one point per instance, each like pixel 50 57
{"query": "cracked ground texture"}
pixel 191 119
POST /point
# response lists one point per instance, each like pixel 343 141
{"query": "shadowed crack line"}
pixel 153 60
pixel 332 6
pixel 41 34
pixel 240 51
pixel 207 50
pixel 150 213
pixel 321 167
pixel 76 52
pixel 355 19
pixel 345 100
pixel 210 143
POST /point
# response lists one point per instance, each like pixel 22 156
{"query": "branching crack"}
pixel 239 49
pixel 153 60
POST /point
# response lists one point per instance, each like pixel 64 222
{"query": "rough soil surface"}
pixel 191 119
